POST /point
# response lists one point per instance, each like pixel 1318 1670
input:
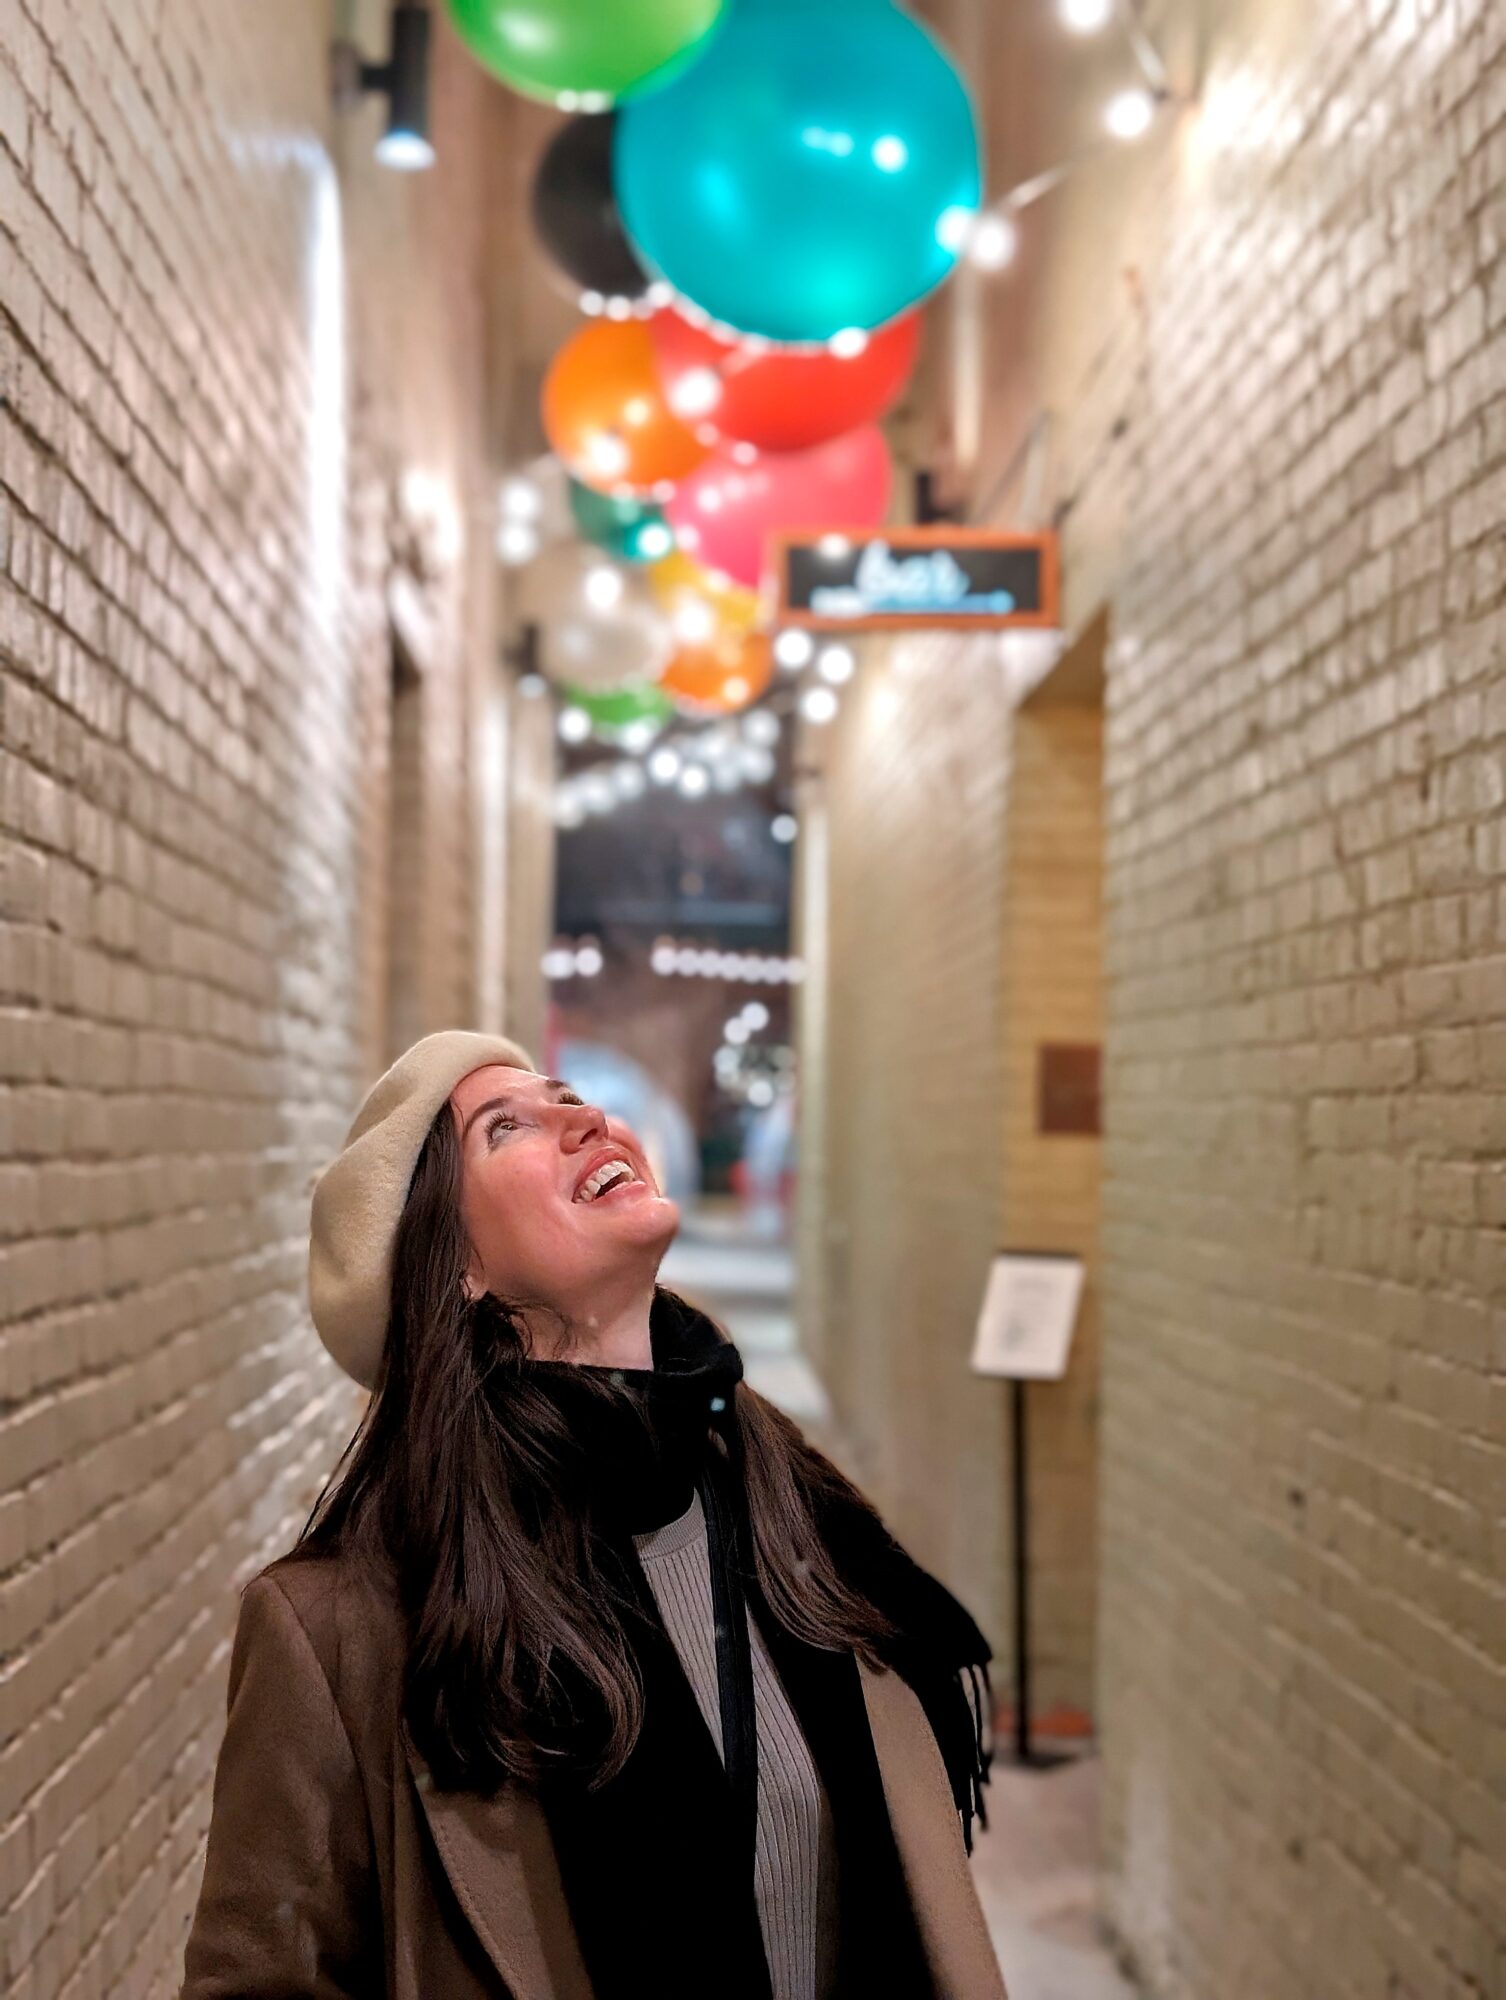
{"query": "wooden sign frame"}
pixel 918 541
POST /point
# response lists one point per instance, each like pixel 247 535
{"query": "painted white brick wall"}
pixel 237 382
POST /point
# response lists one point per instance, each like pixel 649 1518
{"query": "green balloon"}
pixel 593 49
pixel 615 708
pixel 635 529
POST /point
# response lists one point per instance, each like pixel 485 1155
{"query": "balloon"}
pixel 700 605
pixel 780 398
pixel 617 708
pixel 598 624
pixel 725 512
pixel 720 678
pixel 533 507
pixel 636 530
pixel 813 172
pixel 566 50
pixel 606 416
pixel 575 211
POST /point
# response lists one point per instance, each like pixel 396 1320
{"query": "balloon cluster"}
pixel 752 200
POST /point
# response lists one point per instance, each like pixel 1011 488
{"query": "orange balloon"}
pixel 605 413
pixel 722 677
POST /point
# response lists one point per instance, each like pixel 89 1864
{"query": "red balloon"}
pixel 779 398
pixel 725 511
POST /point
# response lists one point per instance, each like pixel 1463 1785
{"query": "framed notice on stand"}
pixel 1024 1334
pixel 1029 1311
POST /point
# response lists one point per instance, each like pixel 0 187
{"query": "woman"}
pixel 588 1677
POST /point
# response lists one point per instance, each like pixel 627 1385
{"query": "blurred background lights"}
pixel 1128 114
pixel 835 663
pixel 993 242
pixel 783 827
pixel 517 541
pixel 603 587
pixel 793 648
pixel 761 725
pixel 574 724
pixel 818 704
pixel 1085 17
pixel 519 499
pixel 693 781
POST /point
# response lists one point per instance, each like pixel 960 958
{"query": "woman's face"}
pixel 527 1142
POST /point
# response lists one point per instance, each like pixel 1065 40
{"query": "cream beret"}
pixel 359 1196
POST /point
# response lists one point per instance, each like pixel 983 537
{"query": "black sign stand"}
pixel 1025 1752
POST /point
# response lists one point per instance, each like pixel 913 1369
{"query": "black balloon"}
pixel 575 211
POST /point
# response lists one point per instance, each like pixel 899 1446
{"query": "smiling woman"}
pixel 587 1672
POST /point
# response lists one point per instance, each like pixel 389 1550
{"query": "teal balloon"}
pixel 633 529
pixel 815 170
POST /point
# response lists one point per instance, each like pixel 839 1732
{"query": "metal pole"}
pixel 1021 1576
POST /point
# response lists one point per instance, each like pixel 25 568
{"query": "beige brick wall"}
pixel 1052 992
pixel 1303 1621
pixel 245 419
pixel 900 1095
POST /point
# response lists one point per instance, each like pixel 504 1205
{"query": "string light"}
pixel 793 648
pixel 1085 17
pixel 1129 114
pixel 738 968
pixel 517 542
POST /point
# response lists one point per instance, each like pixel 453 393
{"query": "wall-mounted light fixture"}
pixel 403 80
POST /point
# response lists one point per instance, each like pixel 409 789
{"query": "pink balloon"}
pixel 725 511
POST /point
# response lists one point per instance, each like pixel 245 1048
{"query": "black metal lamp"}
pixel 403 80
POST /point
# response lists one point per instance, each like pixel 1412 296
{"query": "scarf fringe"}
pixel 961 1718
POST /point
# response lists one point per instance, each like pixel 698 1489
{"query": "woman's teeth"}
pixel 605 1176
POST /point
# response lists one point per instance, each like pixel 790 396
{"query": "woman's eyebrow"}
pixel 552 1084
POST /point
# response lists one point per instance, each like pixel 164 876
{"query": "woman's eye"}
pixel 498 1118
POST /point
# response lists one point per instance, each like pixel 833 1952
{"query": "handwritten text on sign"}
pixel 917 576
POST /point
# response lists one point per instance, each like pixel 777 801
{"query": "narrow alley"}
pixel 753 954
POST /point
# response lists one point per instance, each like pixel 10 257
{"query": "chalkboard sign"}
pixel 859 581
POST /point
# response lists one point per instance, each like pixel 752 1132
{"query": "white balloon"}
pixel 583 639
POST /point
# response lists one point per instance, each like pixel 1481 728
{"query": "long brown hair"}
pixel 458 1483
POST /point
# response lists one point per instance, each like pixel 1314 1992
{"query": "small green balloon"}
pixel 615 708
pixel 634 529
pixel 596 50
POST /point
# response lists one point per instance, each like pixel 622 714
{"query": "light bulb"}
pixel 517 541
pixel 1128 115
pixel 993 242
pixel 602 588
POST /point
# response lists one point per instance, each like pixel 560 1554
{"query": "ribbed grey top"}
pixel 795 1858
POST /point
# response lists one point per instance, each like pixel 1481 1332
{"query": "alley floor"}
pixel 1035 1863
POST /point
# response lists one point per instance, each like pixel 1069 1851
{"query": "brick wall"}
pixel 244 426
pixel 1303 1622
pixel 899 1197
pixel 1052 993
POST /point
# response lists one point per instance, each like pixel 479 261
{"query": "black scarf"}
pixel 657 1864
